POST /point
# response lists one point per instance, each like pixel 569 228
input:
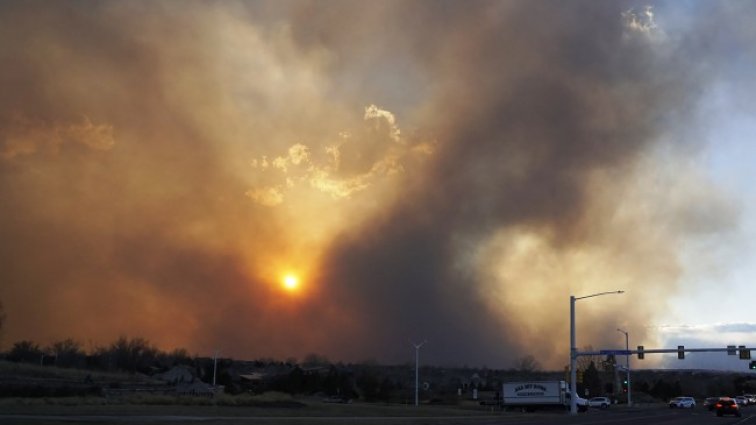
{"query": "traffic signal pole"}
pixel 627 367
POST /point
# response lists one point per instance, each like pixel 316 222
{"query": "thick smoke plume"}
pixel 449 171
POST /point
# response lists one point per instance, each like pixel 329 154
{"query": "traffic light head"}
pixel 752 365
pixel 745 354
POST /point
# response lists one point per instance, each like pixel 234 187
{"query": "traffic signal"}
pixel 624 386
pixel 680 352
pixel 640 352
pixel 744 354
pixel 752 365
pixel 579 376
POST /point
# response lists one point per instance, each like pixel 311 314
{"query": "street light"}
pixel 573 348
pixel 417 371
pixel 215 367
pixel 627 367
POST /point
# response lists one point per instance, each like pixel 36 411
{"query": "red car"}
pixel 727 406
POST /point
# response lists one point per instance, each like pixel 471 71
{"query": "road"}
pixel 615 416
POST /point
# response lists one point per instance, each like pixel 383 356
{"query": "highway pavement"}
pixel 646 415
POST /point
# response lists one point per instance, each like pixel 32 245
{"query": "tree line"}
pixel 315 374
pixel 125 354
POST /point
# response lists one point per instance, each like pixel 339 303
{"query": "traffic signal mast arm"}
pixel 660 351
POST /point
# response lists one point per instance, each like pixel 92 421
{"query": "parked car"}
pixel 727 406
pixel 682 402
pixel 600 402
pixel 710 403
pixel 742 401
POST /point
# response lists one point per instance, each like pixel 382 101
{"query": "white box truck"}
pixel 532 395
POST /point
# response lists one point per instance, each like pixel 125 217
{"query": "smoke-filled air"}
pixel 278 178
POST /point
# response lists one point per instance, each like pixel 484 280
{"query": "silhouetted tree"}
pixel 68 353
pixel 592 380
pixel 178 356
pixel 135 355
pixel 527 364
pixel 26 352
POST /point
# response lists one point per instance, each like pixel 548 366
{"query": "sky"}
pixel 280 178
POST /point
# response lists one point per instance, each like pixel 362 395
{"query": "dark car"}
pixel 710 403
pixel 727 406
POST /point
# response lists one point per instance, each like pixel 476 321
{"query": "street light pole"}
pixel 573 359
pixel 627 368
pixel 573 348
pixel 417 372
pixel 215 367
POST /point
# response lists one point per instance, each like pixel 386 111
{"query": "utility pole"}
pixel 417 372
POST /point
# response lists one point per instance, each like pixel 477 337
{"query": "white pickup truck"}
pixel 532 395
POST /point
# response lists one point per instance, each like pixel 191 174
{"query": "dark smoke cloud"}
pixel 533 102
pixel 528 131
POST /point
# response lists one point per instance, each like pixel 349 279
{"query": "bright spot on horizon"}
pixel 290 282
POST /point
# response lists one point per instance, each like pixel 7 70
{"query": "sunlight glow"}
pixel 290 282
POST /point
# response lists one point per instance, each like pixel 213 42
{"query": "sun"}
pixel 290 282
